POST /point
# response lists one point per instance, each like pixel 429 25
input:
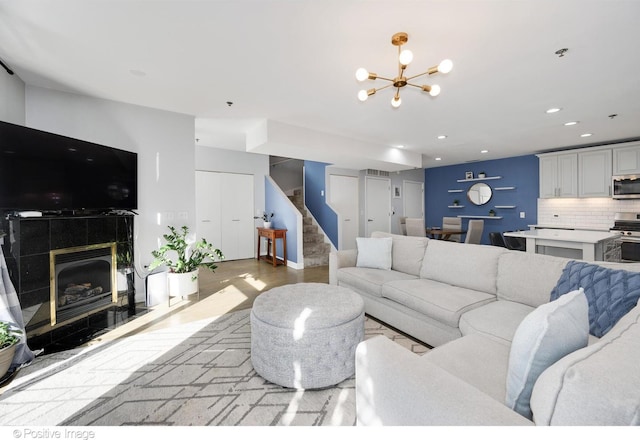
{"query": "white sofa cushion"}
pixel 465 265
pixel 439 301
pixel 374 253
pixel 497 320
pixel 406 253
pixel 477 360
pixel 528 278
pixel 369 281
pixel 547 334
pixel 597 385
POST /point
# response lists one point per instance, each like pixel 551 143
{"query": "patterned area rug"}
pixel 196 374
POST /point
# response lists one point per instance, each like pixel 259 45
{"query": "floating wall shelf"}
pixel 505 206
pixel 455 190
pixel 455 206
pixel 503 188
pixel 489 217
pixel 479 178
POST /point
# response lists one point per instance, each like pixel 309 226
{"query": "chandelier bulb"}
pixel 396 101
pixel 363 95
pixel 435 90
pixel 362 74
pixel 406 56
pixel 445 66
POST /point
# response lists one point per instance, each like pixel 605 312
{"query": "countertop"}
pixel 578 236
pixel 566 227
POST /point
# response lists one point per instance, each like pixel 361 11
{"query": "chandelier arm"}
pixel 386 79
pixel 416 76
pixel 384 87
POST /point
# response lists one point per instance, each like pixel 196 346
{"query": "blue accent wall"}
pixel 520 172
pixel 315 193
pixel 284 217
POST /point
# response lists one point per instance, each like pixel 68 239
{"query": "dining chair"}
pixel 497 239
pixel 403 225
pixel 474 232
pixel 415 227
pixel 515 243
pixel 452 223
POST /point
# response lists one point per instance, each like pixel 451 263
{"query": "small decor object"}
pixel 481 175
pixel 456 202
pixel 184 258
pixel 468 175
pixel 492 213
pixel 397 192
pixel 266 218
pixel 9 338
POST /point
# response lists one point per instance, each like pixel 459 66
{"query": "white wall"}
pixel 163 140
pixel 12 91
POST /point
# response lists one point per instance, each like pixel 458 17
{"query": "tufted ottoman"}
pixel 305 335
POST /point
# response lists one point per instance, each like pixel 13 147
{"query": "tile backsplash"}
pixel 591 213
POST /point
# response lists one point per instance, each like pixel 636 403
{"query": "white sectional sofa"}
pixel 469 302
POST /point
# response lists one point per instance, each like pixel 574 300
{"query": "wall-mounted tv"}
pixel 41 171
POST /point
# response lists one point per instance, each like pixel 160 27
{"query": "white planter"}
pixel 6 357
pixel 267 225
pixel 182 284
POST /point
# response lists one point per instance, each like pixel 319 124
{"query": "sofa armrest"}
pixel 394 386
pixel 338 259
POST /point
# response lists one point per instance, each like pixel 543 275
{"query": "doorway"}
pixel 343 197
pixel 377 205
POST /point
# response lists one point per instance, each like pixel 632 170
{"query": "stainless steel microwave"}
pixel 626 187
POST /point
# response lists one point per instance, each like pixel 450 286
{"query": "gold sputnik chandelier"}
pixel 404 58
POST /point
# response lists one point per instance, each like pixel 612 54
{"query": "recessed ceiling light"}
pixel 554 110
pixel 442 136
pixel 400 146
pixel 585 135
pixel 438 158
pixel 571 123
pixel 484 151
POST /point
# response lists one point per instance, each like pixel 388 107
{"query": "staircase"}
pixel 315 250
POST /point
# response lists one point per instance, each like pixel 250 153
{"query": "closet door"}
pixel 238 232
pixel 208 220
pixel 224 212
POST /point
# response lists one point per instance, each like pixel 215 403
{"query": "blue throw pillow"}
pixel 611 293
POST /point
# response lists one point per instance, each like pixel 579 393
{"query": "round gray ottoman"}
pixel 305 335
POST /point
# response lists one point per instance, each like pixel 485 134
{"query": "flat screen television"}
pixel 41 171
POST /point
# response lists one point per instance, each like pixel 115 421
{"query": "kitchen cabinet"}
pixel 626 160
pixel 594 173
pixel 558 175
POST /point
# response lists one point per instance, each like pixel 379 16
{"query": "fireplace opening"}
pixel 83 281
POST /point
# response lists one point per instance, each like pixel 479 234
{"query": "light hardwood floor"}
pixel 233 286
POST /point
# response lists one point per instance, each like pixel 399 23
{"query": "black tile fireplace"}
pixel 73 275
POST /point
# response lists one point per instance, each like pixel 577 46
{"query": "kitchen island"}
pixel 577 244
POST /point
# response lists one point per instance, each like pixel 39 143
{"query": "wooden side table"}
pixel 272 235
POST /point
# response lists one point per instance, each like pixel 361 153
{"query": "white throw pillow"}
pixel 374 253
pixel 546 335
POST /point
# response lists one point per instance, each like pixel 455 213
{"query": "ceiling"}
pixel 288 68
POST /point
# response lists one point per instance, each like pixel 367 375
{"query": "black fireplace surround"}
pixel 27 248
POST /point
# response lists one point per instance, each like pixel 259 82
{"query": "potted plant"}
pixel 9 338
pixel 482 175
pixel 183 258
pixel 492 213
pixel 266 218
pixel 456 202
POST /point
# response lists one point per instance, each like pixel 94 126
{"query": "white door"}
pixel 344 199
pixel 378 205
pixel 413 199
pixel 224 212
pixel 237 226
pixel 208 207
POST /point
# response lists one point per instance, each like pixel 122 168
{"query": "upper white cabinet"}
pixel 558 175
pixel 594 173
pixel 626 160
